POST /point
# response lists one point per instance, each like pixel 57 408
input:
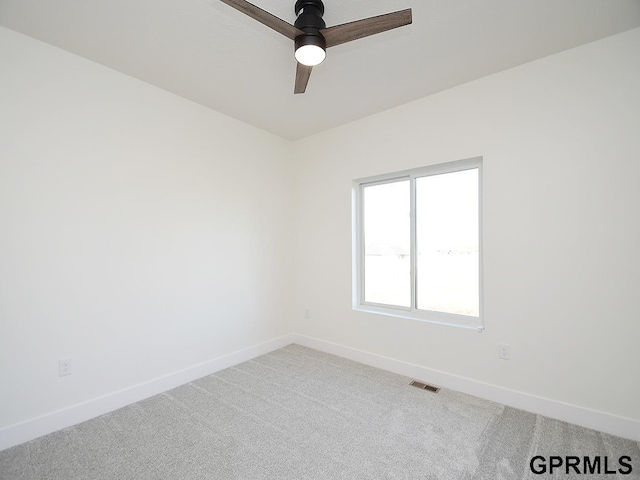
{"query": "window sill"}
pixel 439 318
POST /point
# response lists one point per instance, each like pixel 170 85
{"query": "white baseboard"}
pixel 66 417
pixel 585 417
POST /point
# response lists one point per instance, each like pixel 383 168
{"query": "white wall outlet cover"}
pixel 64 367
pixel 503 351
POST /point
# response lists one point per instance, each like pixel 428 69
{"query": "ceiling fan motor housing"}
pixel 310 21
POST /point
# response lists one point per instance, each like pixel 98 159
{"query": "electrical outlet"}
pixel 64 367
pixel 306 314
pixel 503 351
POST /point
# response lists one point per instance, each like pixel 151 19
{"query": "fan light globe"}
pixel 310 55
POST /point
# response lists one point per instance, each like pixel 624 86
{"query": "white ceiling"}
pixel 208 52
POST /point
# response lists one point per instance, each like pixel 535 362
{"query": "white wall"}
pixel 560 139
pixel 140 233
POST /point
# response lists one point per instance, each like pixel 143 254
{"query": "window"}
pixel 417 244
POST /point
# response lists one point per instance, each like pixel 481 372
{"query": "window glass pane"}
pixel 386 228
pixel 447 236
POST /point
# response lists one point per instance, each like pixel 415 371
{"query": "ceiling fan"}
pixel 311 35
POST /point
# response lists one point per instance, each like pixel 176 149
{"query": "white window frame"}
pixel 411 313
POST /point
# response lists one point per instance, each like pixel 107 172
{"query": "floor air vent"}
pixel 425 386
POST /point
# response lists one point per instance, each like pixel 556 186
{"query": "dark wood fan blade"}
pixel 265 18
pixel 364 28
pixel 302 78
